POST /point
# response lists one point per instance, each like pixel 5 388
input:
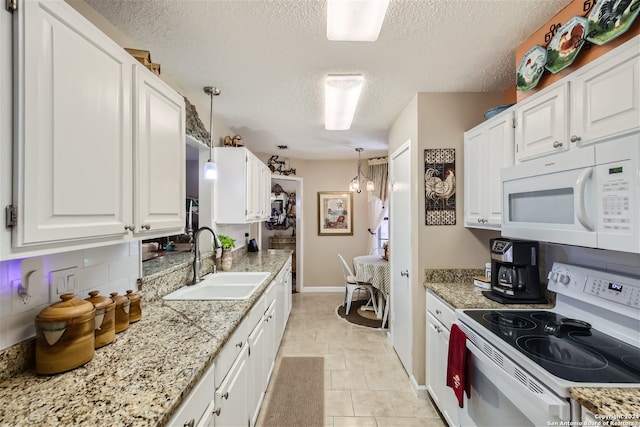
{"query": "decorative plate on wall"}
pixel 531 68
pixel 610 18
pixel 565 45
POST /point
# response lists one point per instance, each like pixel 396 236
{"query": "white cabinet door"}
pixel 605 96
pixel 542 124
pixel 231 396
pixel 487 149
pixel 438 348
pixel 475 163
pixel 272 343
pixel 240 189
pixel 159 156
pixel 73 153
pixel 257 370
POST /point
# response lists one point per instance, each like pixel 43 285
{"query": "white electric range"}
pixel 524 362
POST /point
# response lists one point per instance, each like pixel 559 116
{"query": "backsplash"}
pixel 106 269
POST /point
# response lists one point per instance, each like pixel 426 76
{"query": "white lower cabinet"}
pixel 440 316
pixel 231 397
pixel 197 407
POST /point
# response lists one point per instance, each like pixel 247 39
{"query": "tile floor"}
pixel 365 383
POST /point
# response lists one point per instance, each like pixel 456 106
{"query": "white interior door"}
pixel 400 220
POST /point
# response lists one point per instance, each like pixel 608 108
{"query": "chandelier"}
pixel 360 180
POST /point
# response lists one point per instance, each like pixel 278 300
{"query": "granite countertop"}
pixel 142 377
pixel 456 288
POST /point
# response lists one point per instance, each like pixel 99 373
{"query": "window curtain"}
pixel 377 200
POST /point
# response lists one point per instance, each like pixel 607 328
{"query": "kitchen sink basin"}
pixel 221 286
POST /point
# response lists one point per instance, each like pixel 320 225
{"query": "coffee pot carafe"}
pixel 514 272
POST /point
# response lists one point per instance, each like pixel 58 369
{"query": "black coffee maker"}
pixel 515 278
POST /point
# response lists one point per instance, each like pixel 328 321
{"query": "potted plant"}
pixel 227 245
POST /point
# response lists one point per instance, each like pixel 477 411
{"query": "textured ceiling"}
pixel 270 57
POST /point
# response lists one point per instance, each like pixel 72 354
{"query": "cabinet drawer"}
pixel 195 404
pixel 440 310
pixel 230 351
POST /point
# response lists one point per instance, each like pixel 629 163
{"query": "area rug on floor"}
pixel 297 397
pixel 357 316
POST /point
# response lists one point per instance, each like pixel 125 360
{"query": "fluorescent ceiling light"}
pixel 341 94
pixel 355 20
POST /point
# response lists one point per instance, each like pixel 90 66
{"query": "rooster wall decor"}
pixel 440 186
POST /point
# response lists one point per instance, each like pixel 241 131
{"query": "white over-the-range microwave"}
pixel 588 196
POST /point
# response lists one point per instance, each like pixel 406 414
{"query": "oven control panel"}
pixel 598 286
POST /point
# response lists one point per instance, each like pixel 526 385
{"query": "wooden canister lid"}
pixel 67 309
pixel 101 302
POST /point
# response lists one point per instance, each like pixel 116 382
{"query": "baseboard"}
pixel 339 289
pixel 419 390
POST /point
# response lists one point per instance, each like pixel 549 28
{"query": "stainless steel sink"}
pixel 221 286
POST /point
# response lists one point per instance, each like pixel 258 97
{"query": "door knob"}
pixel 405 273
pixel 146 226
pixel 557 144
pixel 575 138
pixel 130 227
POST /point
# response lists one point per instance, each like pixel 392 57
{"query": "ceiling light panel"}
pixel 341 94
pixel 355 20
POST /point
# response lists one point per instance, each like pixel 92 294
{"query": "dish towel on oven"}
pixel 459 364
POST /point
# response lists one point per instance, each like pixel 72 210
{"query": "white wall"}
pixel 105 269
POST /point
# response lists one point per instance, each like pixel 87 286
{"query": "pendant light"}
pixel 360 180
pixel 210 168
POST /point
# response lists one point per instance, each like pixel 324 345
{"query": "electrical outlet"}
pixel 62 282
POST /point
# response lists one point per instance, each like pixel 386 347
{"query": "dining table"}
pixel 374 269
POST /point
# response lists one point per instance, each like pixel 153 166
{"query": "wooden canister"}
pixel 64 335
pixel 105 320
pixel 135 309
pixel 122 311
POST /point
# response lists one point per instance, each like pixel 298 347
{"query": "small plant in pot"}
pixel 227 244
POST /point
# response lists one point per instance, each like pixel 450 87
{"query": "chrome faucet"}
pixel 196 259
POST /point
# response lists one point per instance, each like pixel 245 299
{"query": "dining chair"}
pixel 351 285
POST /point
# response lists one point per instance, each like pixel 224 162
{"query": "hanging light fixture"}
pixel 360 180
pixel 210 168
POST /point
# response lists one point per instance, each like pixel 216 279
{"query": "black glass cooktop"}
pixel 568 348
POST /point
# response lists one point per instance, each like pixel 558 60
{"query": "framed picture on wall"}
pixel 335 213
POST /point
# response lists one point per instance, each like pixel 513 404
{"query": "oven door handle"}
pixel 540 401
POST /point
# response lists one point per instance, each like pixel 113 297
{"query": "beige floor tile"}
pixel 385 380
pixel 356 360
pixel 348 380
pixel 405 404
pixel 371 403
pixel 354 422
pixel 337 403
pixel 409 422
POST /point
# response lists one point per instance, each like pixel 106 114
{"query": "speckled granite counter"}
pixel 141 378
pixel 613 403
pixel 456 288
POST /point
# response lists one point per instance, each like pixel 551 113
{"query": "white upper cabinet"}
pixel 542 123
pixel 605 96
pixel 487 149
pixel 99 141
pixel 242 191
pixel 73 165
pixel 159 156
pixel 598 102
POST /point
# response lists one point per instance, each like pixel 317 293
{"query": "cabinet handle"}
pixel 130 227
pixel 438 311
pixel 557 144
pixel 146 226
pixel 226 396
pixel 190 423
pixel 239 345
pixel 575 138
pixel 405 273
pixel 217 411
